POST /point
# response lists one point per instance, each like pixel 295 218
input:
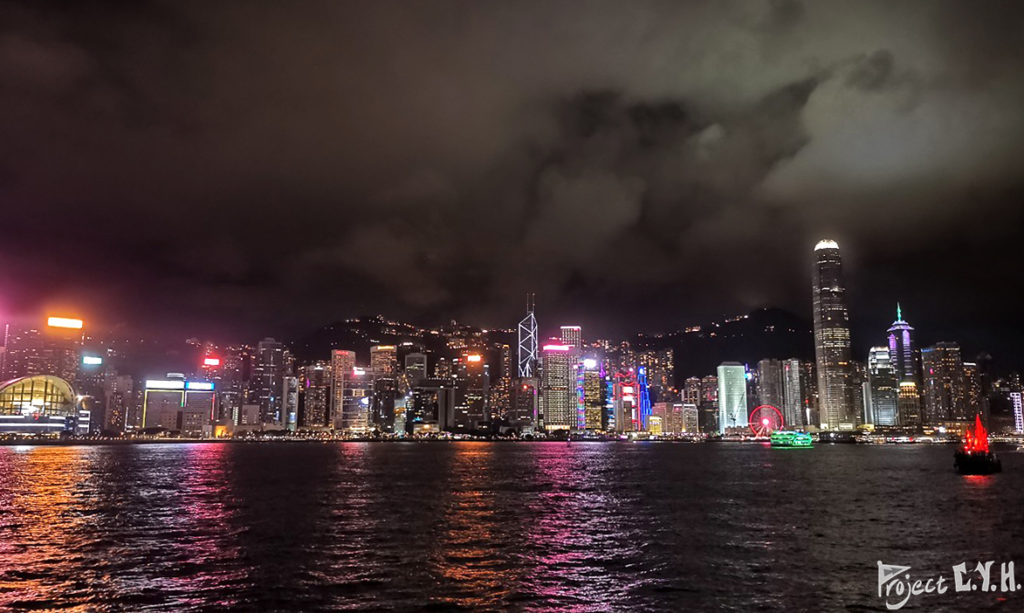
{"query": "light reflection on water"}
pixel 468 554
pixel 586 543
pixel 545 526
pixel 38 494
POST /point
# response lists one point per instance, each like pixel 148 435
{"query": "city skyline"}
pixel 545 305
pixel 583 384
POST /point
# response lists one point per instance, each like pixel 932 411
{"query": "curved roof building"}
pixel 41 404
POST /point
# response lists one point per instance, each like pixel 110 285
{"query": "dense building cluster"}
pixel 396 379
pixel 455 379
pixel 899 386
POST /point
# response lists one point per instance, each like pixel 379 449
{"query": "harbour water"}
pixel 522 526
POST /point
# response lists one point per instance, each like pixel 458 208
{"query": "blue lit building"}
pixel 644 405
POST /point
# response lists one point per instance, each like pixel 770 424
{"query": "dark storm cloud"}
pixel 269 163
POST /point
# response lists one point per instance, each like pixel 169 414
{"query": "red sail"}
pixel 977 441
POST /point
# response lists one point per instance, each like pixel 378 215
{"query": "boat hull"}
pixel 985 463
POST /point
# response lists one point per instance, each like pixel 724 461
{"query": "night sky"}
pixel 242 169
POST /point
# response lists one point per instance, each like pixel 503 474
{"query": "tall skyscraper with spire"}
pixel 832 339
pixel 528 341
pixel 906 362
pixel 944 384
pixel 903 355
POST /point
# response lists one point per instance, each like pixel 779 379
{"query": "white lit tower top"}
pixel 528 341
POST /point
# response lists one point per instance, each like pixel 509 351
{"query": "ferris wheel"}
pixel 764 420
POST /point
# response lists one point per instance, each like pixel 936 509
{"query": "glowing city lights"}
pixel 91 360
pixel 64 322
pixel 165 384
pixel 211 362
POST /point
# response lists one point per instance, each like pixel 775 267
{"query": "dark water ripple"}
pixel 476 526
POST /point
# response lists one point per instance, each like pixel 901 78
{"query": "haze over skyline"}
pixel 265 169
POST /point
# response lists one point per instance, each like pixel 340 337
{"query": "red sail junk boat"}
pixel 974 458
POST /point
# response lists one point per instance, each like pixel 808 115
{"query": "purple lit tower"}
pixel 906 362
pixel 905 359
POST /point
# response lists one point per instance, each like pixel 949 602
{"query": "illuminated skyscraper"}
pixel 162 402
pixel 501 386
pixel 625 402
pixel 267 383
pixel 472 386
pixel 906 362
pixel 908 404
pixel 590 389
pixel 709 404
pixel 528 341
pixel 880 401
pixel 118 400
pixel 732 396
pixel 443 368
pixel 691 391
pixel 290 403
pixel 229 378
pixel 572 336
pixel 431 408
pixel 660 364
pixel 770 384
pixel 793 412
pixel 343 365
pixel 314 395
pixel 644 399
pixel 52 349
pixel 524 404
pixel 416 367
pixel 383 360
pixel 972 385
pixel 944 387
pixel 356 394
pixel 809 381
pixel 382 404
pixel 690 416
pixel 1017 408
pixel 832 339
pixel 858 383
pixel 558 387
pixel 91 377
pixel 178 405
pixel 902 353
